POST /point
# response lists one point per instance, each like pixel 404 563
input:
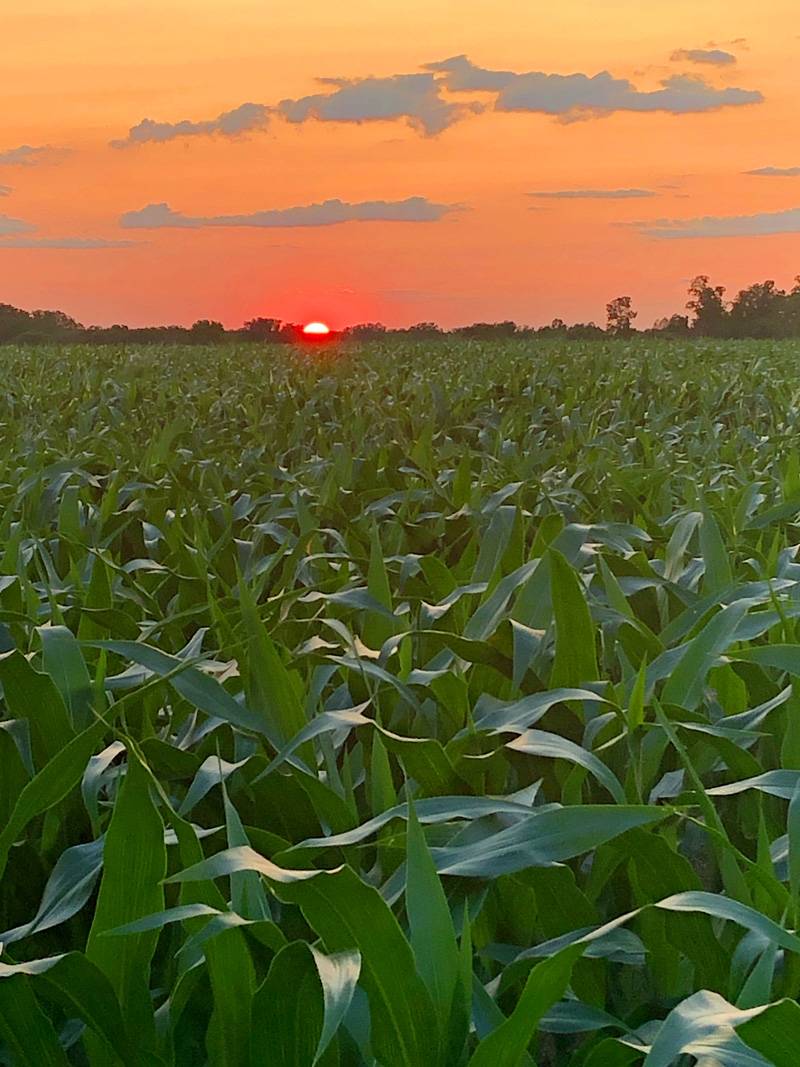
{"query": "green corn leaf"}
pixel 576 659
pixel 27 1032
pixel 432 936
pixel 134 866
pixel 348 914
pixel 546 985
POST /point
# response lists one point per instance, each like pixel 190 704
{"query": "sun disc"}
pixel 316 329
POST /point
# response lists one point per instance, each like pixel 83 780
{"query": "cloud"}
pixel 25 155
pixel 5 190
pixel 328 213
pixel 241 119
pixel 776 172
pixel 16 233
pixel 414 97
pixel 9 226
pixel 418 99
pixel 461 75
pixel 715 56
pixel 62 242
pixel 573 96
pixel 758 225
pixel 594 194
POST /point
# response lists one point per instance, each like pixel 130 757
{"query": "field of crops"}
pixel 412 706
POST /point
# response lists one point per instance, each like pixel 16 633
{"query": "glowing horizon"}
pixel 166 162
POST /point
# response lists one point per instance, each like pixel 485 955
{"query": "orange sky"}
pixel 79 74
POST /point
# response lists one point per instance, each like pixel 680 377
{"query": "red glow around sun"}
pixel 316 329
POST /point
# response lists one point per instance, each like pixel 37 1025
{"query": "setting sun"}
pixel 316 329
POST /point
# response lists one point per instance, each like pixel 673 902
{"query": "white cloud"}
pixel 239 120
pixel 714 56
pixel 759 225
pixel 776 172
pixel 573 96
pixel 328 213
pixel 593 194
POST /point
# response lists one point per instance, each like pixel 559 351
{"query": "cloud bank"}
pixel 715 56
pixel 759 225
pixel 241 119
pixel 328 213
pixel 776 172
pixel 593 194
pixel 574 96
pixel 420 100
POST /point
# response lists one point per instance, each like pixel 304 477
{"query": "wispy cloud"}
pixel 241 119
pixel 62 242
pixel 593 194
pixel 776 172
pixel 9 225
pixel 574 96
pixel 327 213
pixel 758 225
pixel 24 155
pixel 17 233
pixel 714 56
pixel 5 190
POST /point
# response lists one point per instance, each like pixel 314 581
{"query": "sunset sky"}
pixel 166 160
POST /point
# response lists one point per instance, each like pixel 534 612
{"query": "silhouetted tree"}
pixel 675 325
pixel 366 331
pixel 55 324
pixel 424 329
pixel 487 331
pixel 207 332
pixel 13 322
pixel 620 316
pixel 707 303
pixel 759 311
pixel 584 331
pixel 262 329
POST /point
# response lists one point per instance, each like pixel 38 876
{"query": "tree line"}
pixel 759 311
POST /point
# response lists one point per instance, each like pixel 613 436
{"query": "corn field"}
pixel 408 705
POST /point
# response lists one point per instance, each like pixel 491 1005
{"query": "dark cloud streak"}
pixel 762 224
pixel 328 213
pixel 593 194
pixel 712 56
pixel 776 172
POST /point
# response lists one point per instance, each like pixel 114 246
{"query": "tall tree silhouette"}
pixel 620 315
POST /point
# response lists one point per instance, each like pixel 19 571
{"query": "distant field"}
pixel 409 667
